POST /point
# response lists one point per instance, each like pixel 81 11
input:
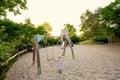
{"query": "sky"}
pixel 57 12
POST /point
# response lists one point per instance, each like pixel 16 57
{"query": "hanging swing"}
pixel 58 51
pixel 52 51
pixel 52 58
pixel 61 49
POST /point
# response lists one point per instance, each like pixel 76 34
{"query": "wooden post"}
pixel 69 41
pixel 34 48
pixel 64 49
pixel 38 56
pixel 37 38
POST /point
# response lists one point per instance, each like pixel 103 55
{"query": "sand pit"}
pixel 92 62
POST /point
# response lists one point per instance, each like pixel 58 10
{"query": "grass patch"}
pixel 87 42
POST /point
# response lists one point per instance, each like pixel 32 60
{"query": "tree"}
pixel 72 33
pixel 23 34
pixel 9 29
pixel 111 15
pixel 28 22
pixel 2 34
pixel 85 24
pixel 71 29
pixel 103 22
pixel 40 30
pixel 12 6
pixel 92 24
pixel 47 27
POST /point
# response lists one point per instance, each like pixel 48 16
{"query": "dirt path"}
pixel 92 62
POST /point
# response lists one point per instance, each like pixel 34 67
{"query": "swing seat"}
pixel 50 59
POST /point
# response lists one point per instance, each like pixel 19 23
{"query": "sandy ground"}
pixel 92 62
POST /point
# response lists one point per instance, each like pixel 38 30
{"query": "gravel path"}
pixel 92 62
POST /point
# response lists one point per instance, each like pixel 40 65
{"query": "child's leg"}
pixel 59 68
pixel 60 71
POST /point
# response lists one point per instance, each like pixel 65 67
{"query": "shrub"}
pixel 101 39
pixel 7 49
pixel 74 39
pixel 48 42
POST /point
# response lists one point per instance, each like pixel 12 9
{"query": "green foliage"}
pixel 22 33
pixel 92 25
pixel 11 29
pixel 101 39
pixel 40 30
pixel 2 34
pixel 12 6
pixel 6 50
pixel 15 37
pixel 111 13
pixel 75 39
pixel 72 33
pixel 102 22
pixel 4 53
pixel 71 29
pixel 87 42
pixel 47 28
pixel 82 38
pixel 49 41
pixel 28 22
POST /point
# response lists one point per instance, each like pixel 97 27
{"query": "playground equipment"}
pixel 65 40
pixel 48 58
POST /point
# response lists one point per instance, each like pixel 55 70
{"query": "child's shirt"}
pixel 59 64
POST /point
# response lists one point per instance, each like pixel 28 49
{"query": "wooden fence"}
pixel 12 57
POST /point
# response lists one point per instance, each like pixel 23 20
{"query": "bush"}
pixel 75 39
pixel 48 42
pixel 23 46
pixel 101 39
pixel 7 49
pixel 82 38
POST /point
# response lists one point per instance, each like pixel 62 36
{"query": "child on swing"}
pixel 59 63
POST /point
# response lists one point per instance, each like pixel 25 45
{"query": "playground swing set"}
pixel 64 39
pixel 52 50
